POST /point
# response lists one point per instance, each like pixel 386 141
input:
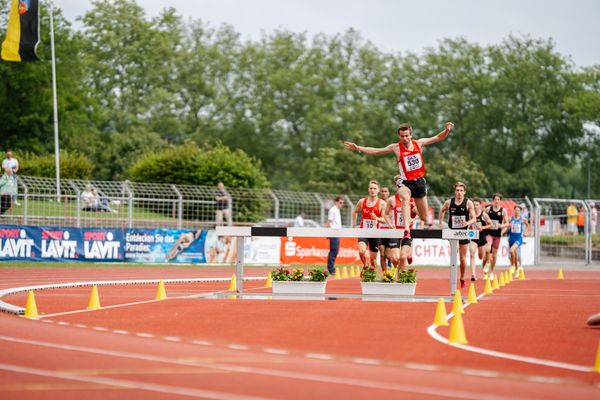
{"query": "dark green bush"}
pixel 72 165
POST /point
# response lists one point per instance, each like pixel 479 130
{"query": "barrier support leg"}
pixel 239 263
pixel 453 265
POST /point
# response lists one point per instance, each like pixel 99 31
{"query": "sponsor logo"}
pixel 14 243
pixel 460 234
pixel 56 244
pixel 99 245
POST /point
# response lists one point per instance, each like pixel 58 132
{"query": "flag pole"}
pixel 54 103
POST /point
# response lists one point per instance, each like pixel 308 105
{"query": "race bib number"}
pixel 495 224
pixel 413 162
pixel 399 219
pixel 369 224
pixel 515 227
pixel 459 221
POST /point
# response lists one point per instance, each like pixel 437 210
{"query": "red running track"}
pixel 284 349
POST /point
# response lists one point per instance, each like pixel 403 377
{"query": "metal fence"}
pixel 125 204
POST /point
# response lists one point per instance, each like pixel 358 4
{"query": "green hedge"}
pixel 72 165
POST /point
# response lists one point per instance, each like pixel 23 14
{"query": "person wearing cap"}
pixel 410 166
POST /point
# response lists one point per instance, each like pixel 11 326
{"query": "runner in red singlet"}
pixel 410 165
pixel 371 210
pixel 401 249
pixel 385 252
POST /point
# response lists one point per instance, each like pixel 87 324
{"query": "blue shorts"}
pixel 516 240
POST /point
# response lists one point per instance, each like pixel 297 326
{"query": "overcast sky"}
pixel 400 25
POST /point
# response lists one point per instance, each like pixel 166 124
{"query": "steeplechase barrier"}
pixel 452 235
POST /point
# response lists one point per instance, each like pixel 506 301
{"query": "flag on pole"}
pixel 23 32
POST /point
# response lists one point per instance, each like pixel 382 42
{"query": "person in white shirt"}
pixel 12 163
pixel 334 221
pixel 593 217
pixel 299 221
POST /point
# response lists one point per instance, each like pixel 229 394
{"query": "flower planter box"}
pixel 300 287
pixel 394 289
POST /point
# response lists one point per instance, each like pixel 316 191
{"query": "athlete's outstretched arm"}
pixel 437 138
pixel 370 150
pixel 442 212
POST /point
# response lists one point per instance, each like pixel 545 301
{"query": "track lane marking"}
pixel 129 384
pixel 279 373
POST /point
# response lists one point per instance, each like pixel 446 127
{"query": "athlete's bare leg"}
pixel 362 250
pixel 382 257
pixel 462 254
pixel 395 257
pixel 472 255
pixel 404 194
pixel 422 208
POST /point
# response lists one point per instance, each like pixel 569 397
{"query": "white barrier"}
pixel 453 235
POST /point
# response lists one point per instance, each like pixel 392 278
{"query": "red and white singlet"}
pixel 397 211
pixel 366 221
pixel 410 163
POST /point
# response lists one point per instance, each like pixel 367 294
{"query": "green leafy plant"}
pixel 280 274
pixel 297 275
pixel 408 276
pixel 318 274
pixel 368 274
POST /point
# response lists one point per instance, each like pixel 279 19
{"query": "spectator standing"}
pixel 223 205
pixel 581 221
pixel 334 221
pixel 8 189
pixel 572 219
pixel 12 163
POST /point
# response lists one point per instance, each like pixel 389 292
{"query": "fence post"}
pixel 350 208
pixel 130 204
pixel 179 206
pixel 25 200
pixel 276 206
pixel 537 231
pixel 587 232
pixel 322 206
pixel 78 202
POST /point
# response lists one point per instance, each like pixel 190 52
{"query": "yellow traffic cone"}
pixel 509 277
pixel 501 282
pixel 94 303
pixel 352 272
pixel 457 330
pixel 441 318
pixel 597 364
pixel 233 284
pixel 30 307
pixel 337 273
pixel 357 271
pixel 161 293
pixel 495 284
pixel 457 305
pixel 521 274
pixel 472 297
pixel 269 282
pixel 345 273
pixel 487 289
pixel 511 270
pixel 560 274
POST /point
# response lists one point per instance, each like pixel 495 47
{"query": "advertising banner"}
pixel 164 245
pixel 302 250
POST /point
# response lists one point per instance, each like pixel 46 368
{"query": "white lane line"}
pixel 100 328
pixel 80 326
pixel 63 323
pixel 432 331
pixel 367 361
pixel 120 331
pixel 279 373
pixel 238 347
pixel 276 351
pixel 202 342
pixel 172 339
pixel 129 385
pixel 319 356
pixel 144 335
pixel 420 367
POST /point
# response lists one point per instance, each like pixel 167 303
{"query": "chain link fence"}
pixel 560 235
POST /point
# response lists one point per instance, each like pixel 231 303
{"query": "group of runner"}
pixel 399 211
